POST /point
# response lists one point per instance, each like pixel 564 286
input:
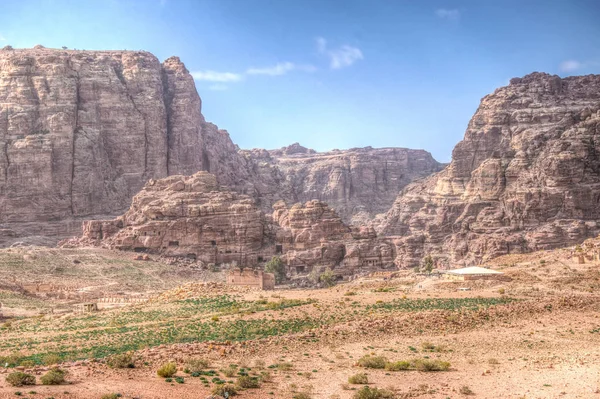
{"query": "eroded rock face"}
pixel 196 218
pixel 187 216
pixel 358 183
pixel 82 131
pixel 525 177
pixel 313 236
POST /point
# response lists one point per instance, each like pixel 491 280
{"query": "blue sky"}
pixel 331 74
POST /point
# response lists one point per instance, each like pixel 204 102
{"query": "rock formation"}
pixel 525 177
pixel 82 131
pixel 196 218
pixel 186 216
pixel 359 183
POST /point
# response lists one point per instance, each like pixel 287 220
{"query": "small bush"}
pixel 230 371
pixel 285 366
pixel 226 389
pixel 302 395
pixel 19 379
pixel 398 366
pixel 27 364
pixel 501 291
pixel 465 390
pixel 246 381
pixel 196 364
pixel 167 370
pixel 51 359
pixel 121 361
pixel 111 396
pixel 55 376
pixel 360 378
pixel 431 365
pixel 327 278
pixel 372 362
pixel 493 361
pixel 373 393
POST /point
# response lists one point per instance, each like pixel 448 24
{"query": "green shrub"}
pixel 327 278
pixel 285 366
pixel 372 362
pixel 431 365
pixel 302 395
pixel 226 389
pixel 277 267
pixel 398 366
pixel 121 361
pixel 167 370
pixel 230 371
pixel 27 363
pixel 245 381
pixel 111 396
pixel 196 365
pixel 19 379
pixel 51 359
pixel 360 378
pixel 54 376
pixel 373 393
pixel 465 390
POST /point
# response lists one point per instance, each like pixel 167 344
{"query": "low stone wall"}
pixel 251 278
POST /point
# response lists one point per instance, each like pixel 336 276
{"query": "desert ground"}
pixel 536 336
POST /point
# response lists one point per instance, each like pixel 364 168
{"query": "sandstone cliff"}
pixel 194 217
pixel 359 183
pixel 525 177
pixel 82 131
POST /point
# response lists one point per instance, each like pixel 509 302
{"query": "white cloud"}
pixel 451 15
pixel 570 66
pixel 213 76
pixel 340 57
pixel 280 69
pixel 217 87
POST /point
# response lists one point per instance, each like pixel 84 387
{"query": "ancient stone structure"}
pixel 186 216
pixel 251 278
pixel 312 235
pixel 192 216
pixel 88 307
pixel 525 177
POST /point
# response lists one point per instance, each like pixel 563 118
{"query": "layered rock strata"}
pixel 82 131
pixel 193 217
pixel 525 177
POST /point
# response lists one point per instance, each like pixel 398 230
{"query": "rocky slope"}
pixel 525 177
pixel 359 183
pixel 82 131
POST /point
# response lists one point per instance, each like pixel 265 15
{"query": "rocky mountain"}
pixel 82 131
pixel 194 217
pixel 525 177
pixel 359 183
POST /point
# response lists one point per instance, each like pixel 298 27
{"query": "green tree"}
pixel 327 278
pixel 277 267
pixel 427 264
